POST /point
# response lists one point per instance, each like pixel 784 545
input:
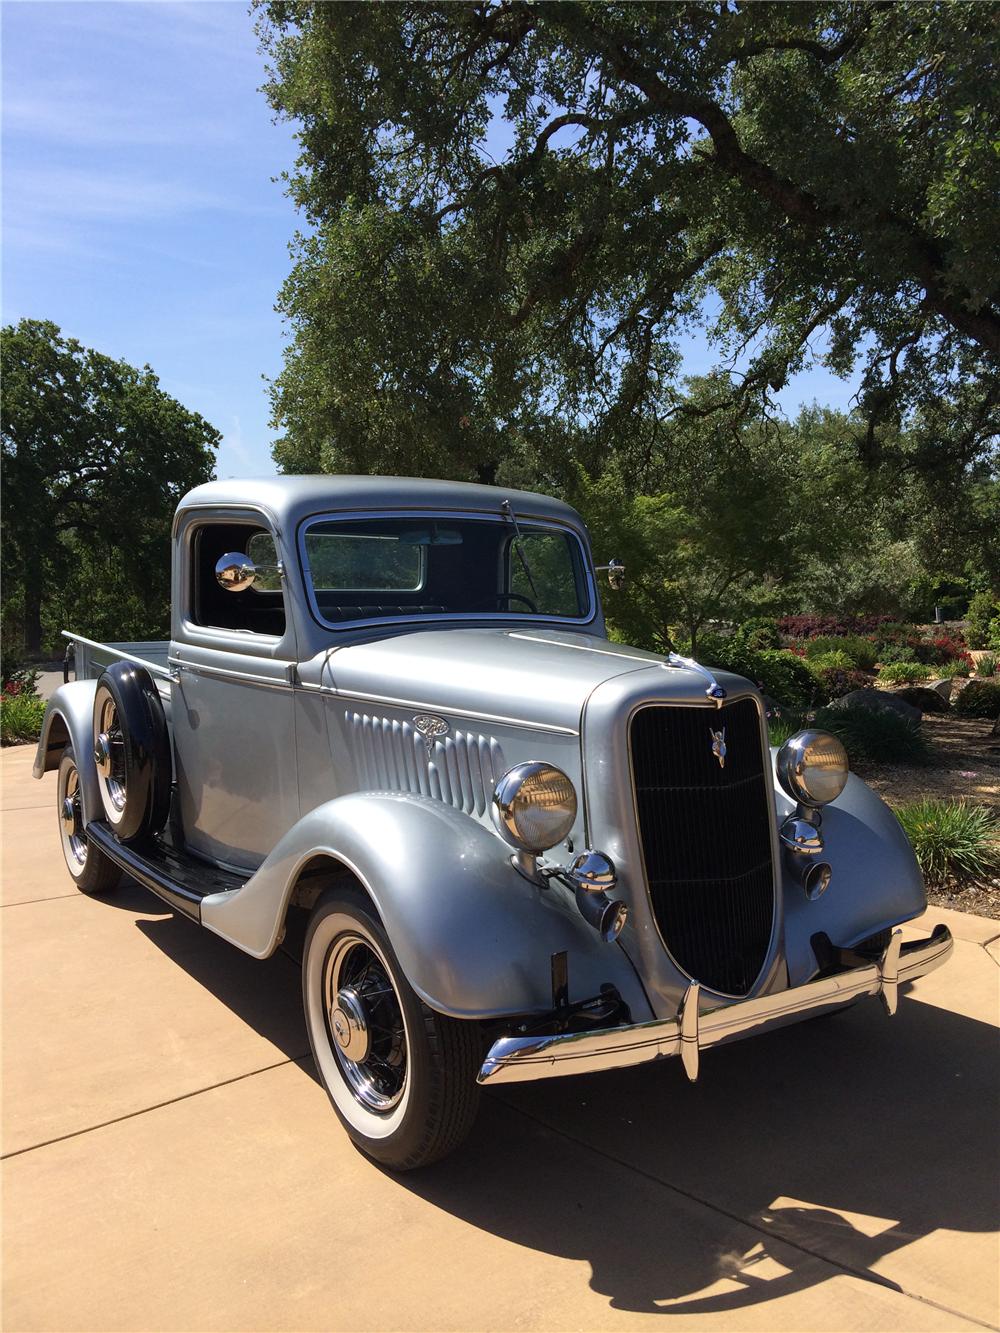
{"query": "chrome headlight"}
pixel 812 767
pixel 534 806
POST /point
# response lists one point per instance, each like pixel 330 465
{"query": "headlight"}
pixel 534 806
pixel 812 767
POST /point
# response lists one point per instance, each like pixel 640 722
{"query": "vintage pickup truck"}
pixel 524 850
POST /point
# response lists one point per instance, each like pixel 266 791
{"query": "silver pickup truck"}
pixel 390 707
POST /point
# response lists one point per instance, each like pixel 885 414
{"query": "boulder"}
pixel 926 698
pixel 942 687
pixel 878 699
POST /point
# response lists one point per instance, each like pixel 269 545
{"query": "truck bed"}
pixel 93 657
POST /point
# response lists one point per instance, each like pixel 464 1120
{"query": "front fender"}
pixel 69 720
pixel 876 880
pixel 473 936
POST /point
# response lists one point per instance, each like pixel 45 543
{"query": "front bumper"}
pixel 522 1059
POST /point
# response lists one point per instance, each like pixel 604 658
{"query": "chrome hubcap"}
pixel 350 1024
pixel 71 821
pixel 365 1021
pixel 109 755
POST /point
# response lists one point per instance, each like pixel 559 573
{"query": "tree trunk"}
pixel 32 609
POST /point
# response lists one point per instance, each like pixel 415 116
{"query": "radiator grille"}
pixel 706 838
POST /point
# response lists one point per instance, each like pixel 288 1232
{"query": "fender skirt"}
pixel 474 937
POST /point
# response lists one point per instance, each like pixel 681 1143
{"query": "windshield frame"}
pixel 529 522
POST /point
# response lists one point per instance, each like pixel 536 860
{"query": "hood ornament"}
pixel 432 728
pixel 715 692
pixel 719 745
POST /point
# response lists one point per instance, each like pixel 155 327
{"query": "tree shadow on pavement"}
pixel 825 1143
pixel 784 1138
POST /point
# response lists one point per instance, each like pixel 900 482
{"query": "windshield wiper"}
pixel 507 508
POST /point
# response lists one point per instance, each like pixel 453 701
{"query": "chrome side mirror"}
pixel 615 571
pixel 235 571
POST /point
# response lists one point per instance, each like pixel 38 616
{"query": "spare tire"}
pixel 131 751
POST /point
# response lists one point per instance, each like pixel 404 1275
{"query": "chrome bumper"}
pixel 521 1059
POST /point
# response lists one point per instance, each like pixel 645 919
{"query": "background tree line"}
pixel 95 458
pixel 797 182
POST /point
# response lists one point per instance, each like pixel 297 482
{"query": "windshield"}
pixel 438 565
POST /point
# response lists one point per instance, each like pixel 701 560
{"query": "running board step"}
pixel 181 881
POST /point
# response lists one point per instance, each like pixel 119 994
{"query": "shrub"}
pixel 952 839
pixel 878 735
pixel 19 679
pixel 987 665
pixel 20 718
pixel 782 726
pixel 983 609
pixel 944 648
pixel 821 661
pixel 958 666
pixel 980 698
pixel 898 673
pixel 838 681
pixel 775 671
pixel 889 653
pixel 758 633
pixel 808 627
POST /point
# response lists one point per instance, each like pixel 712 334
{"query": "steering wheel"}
pixel 516 597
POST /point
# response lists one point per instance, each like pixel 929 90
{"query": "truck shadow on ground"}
pixel 831 1143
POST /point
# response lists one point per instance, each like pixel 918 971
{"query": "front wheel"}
pixel 401 1077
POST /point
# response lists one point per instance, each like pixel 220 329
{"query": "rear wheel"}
pixel 401 1077
pixel 92 871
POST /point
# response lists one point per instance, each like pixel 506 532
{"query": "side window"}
pixel 554 583
pixel 259 609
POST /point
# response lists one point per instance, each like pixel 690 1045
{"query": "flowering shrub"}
pixel 19 680
pixel 837 681
pixel 810 627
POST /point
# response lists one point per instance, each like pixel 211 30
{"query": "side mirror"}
pixel 235 571
pixel 615 571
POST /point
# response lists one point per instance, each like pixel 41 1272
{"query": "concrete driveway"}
pixel 171 1163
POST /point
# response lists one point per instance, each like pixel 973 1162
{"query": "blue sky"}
pixel 139 210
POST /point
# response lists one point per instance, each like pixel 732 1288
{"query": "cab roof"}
pixel 290 499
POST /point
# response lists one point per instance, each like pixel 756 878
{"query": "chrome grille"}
pixel 706 838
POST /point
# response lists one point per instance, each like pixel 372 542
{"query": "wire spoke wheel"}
pixel 109 754
pixel 74 839
pixel 365 1023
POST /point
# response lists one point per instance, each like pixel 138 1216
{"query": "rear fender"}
pixel 69 720
pixel 473 936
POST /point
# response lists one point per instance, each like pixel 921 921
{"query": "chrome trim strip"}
pixel 459 618
pixel 524 1059
pixel 245 677
pixel 152 667
pixel 415 705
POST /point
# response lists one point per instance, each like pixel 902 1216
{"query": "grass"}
pixel 898 673
pixel 20 718
pixel 987 665
pixel 952 839
pixel 877 735
pixel 779 729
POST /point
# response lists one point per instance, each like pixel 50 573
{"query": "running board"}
pixel 181 881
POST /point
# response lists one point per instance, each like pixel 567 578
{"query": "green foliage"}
pixel 448 310
pixel 900 673
pixel 876 735
pixel 858 650
pixel 95 458
pixel 952 839
pixel 782 726
pixel 779 674
pixel 20 718
pixel 836 658
pixel 987 665
pixel 836 681
pixel 980 698
pixel 957 666
pixel 759 632
pixel 983 609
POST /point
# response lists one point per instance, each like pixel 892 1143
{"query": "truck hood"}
pixel 538 677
